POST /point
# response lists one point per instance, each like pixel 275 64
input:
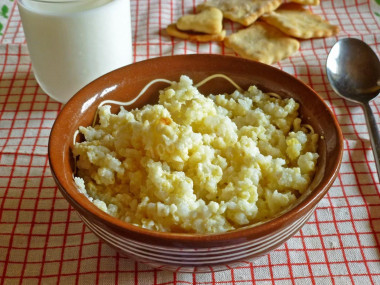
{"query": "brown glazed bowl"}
pixel 193 252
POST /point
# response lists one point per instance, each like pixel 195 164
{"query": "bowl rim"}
pixel 85 207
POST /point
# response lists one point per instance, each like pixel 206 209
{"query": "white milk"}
pixel 73 42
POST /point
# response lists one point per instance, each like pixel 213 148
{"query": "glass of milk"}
pixel 72 42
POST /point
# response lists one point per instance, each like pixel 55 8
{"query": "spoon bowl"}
pixel 353 70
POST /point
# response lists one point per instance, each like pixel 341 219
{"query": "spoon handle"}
pixel 374 134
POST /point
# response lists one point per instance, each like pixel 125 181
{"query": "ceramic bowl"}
pixel 193 252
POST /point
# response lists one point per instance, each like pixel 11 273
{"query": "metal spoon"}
pixel 353 70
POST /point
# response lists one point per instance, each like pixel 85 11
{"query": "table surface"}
pixel 42 239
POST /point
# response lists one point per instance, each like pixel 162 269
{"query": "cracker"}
pixel 173 31
pixel 306 2
pixel 262 42
pixel 295 21
pixel 209 21
pixel 244 12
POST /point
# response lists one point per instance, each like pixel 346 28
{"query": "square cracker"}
pixel 195 37
pixel 209 21
pixel 306 2
pixel 244 12
pixel 262 42
pixel 295 21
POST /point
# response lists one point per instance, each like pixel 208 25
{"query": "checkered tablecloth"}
pixel 42 239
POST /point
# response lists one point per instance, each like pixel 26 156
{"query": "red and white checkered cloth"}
pixel 42 239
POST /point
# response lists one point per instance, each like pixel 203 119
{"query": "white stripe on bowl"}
pixel 246 250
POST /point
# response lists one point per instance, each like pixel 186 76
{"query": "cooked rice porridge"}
pixel 197 164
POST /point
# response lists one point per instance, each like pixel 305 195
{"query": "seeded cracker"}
pixel 262 42
pixel 244 12
pixel 195 37
pixel 209 21
pixel 295 21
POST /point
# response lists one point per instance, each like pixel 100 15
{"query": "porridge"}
pixel 197 164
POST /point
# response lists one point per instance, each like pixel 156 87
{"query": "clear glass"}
pixel 73 42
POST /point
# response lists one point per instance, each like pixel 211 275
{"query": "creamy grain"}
pixel 197 164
